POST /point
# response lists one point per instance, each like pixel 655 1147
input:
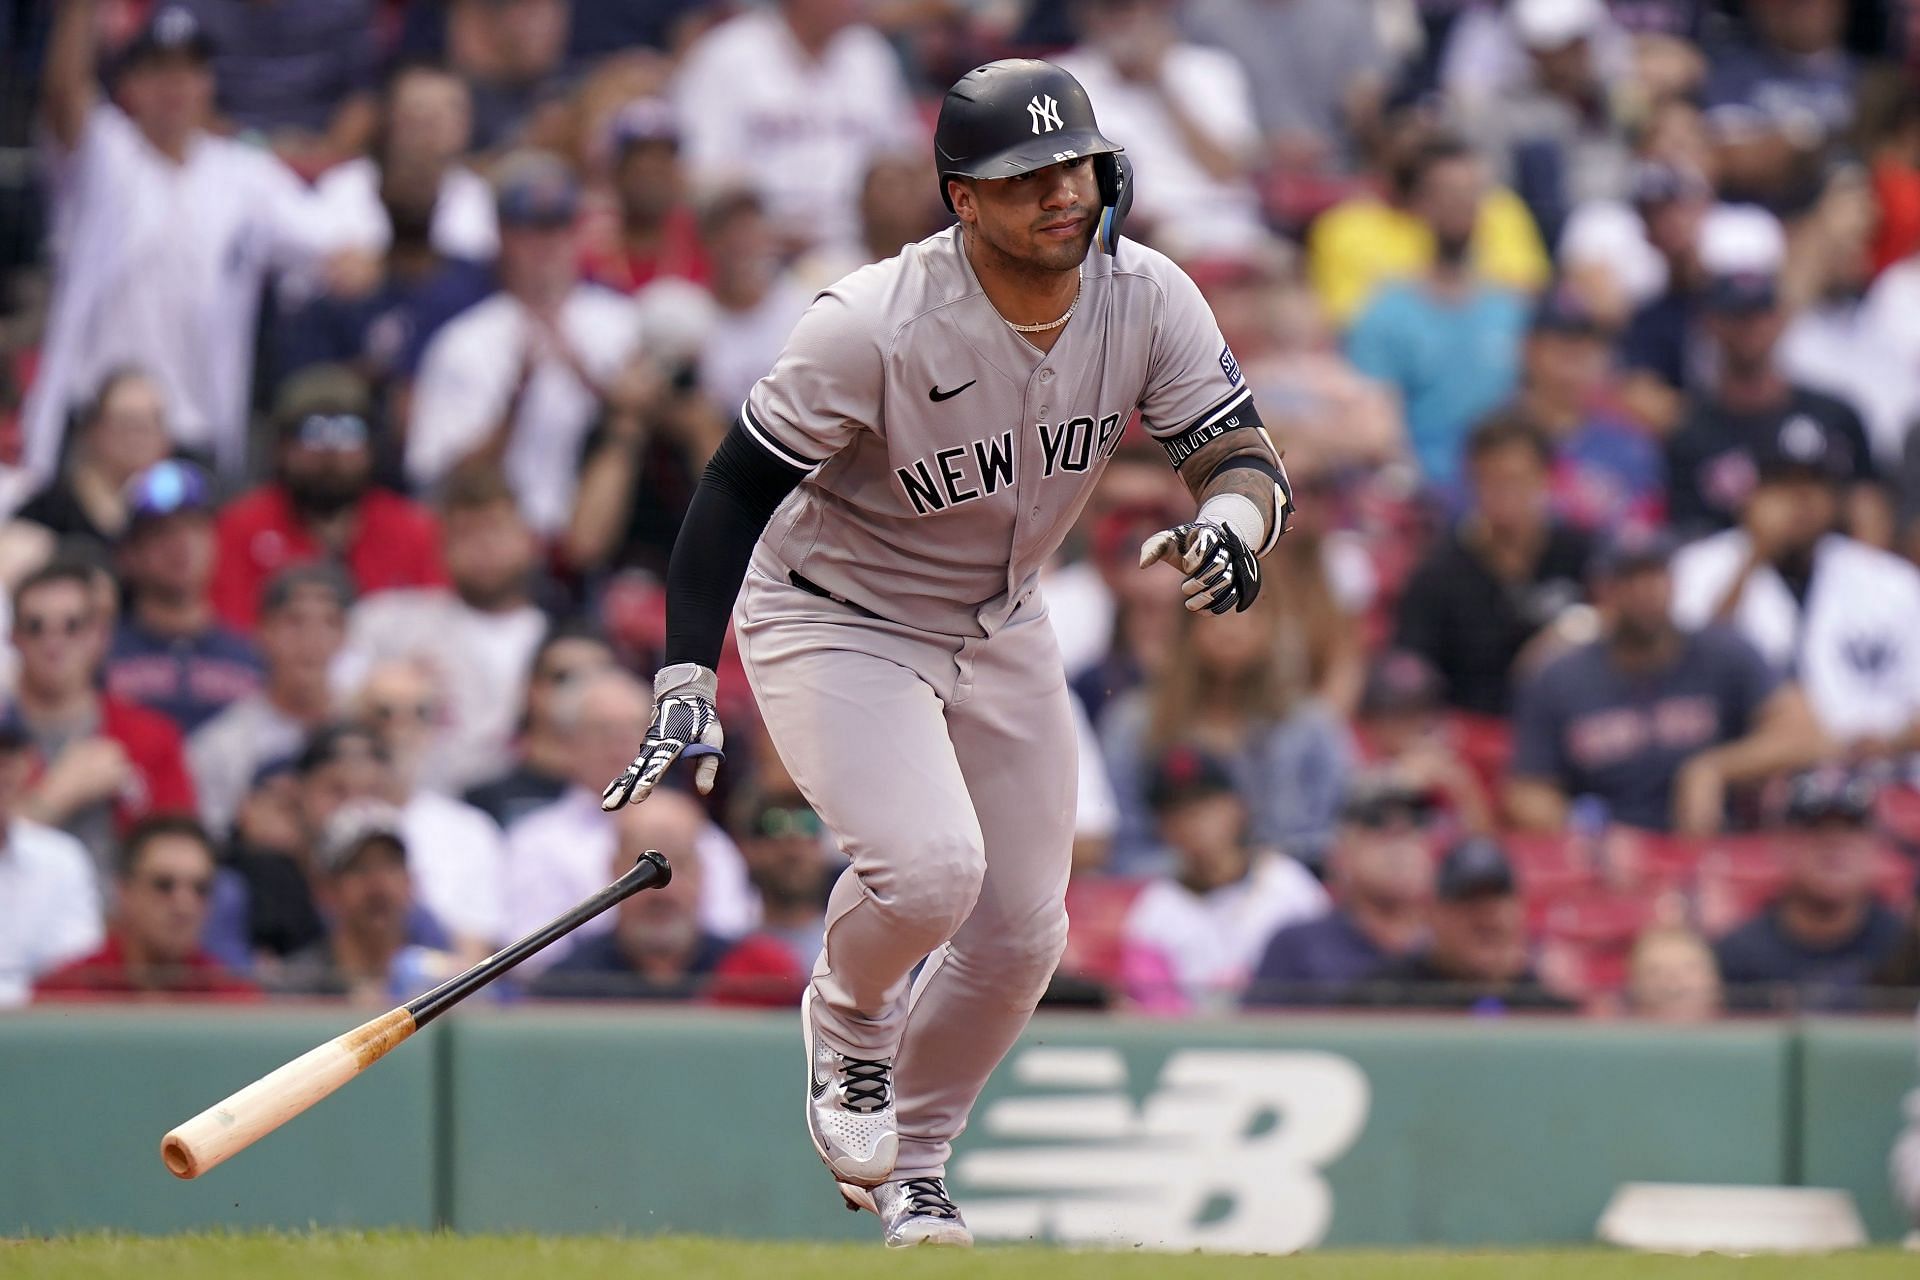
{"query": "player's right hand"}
pixel 684 723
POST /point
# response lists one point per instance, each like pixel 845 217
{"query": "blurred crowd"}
pixel 358 359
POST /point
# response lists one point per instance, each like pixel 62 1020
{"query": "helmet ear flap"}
pixel 1113 172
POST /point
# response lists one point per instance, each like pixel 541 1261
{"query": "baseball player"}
pixel 888 495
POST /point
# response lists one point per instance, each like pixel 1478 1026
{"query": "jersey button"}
pixel 1046 375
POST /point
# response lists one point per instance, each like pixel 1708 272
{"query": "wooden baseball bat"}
pixel 239 1121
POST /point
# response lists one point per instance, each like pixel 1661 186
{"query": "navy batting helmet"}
pixel 1020 114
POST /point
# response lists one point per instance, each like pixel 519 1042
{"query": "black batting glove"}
pixel 684 723
pixel 1222 571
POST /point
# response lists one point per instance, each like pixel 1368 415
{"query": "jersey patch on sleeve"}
pixel 1235 413
pixel 1229 366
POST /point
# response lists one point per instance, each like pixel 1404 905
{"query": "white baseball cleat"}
pixel 849 1108
pixel 914 1211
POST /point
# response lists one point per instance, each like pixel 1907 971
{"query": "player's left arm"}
pixel 1199 408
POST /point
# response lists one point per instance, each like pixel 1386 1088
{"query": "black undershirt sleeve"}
pixel 743 485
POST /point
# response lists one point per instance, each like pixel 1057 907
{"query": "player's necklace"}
pixel 1051 324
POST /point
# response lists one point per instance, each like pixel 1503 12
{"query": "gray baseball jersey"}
pixel 948 456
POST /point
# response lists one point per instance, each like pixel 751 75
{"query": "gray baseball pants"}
pixel 945 768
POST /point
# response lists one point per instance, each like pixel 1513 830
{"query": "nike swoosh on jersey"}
pixel 936 395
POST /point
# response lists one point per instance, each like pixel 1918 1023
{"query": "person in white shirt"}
pixel 1183 111
pixel 478 636
pixel 455 851
pixel 1843 616
pixel 793 100
pixel 163 235
pixel 520 377
pixel 426 123
pixel 1192 939
pixel 50 909
pixel 558 854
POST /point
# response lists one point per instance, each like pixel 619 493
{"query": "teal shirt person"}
pixel 1453 359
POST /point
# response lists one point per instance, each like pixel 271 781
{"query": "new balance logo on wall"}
pixel 1044 112
pixel 1248 1130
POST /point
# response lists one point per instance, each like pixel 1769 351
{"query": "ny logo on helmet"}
pixel 1045 113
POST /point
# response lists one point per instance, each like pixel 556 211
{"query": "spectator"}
pixel 1607 470
pixel 168 233
pixel 791 867
pixel 1193 936
pixel 1380 872
pixel 558 854
pixel 1315 69
pixel 454 850
pixel 1476 957
pixel 513 55
pixel 425 128
pixel 366 892
pixel 518 378
pixel 297 72
pixel 1404 735
pixel 1843 616
pixel 1446 339
pixel 1231 685
pixel 1557 135
pixel 379 325
pixel 1328 582
pixel 1778 100
pixel 122 432
pixel 656 948
pixel 1504 572
pixel 1364 242
pixel 162 891
pixel 302 624
pixel 1824 932
pixel 169 652
pixel 322 504
pixel 49 895
pixel 899 206
pixel 792 99
pixel 569 656
pixel 477 636
pixel 658 236
pixel 270 854
pixel 754 306
pixel 1144 631
pixel 1186 112
pixel 1654 722
pixel 1710 456
pixel 1673 977
pixel 1664 349
pixel 106 763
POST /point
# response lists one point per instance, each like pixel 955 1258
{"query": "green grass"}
pixel 406 1256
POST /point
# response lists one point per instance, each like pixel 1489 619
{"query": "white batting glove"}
pixel 684 724
pixel 1222 572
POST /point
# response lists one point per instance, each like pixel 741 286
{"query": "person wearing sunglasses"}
pixel 790 865
pixel 106 763
pixel 163 892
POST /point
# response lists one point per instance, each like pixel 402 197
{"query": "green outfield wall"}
pixel 1261 1134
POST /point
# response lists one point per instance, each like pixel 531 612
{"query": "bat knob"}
pixel 659 861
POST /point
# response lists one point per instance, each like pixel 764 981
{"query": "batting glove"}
pixel 1222 573
pixel 684 723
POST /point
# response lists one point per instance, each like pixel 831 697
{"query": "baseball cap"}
pixel 1379 799
pixel 1185 773
pixel 1562 311
pixel 173 30
pixel 1476 867
pixel 1658 182
pixel 1742 248
pixel 645 120
pixel 536 189
pixel 1400 682
pixel 165 489
pixel 283 586
pixel 333 743
pixel 1632 547
pixel 1801 446
pixel 325 390
pixel 357 824
pixel 1546 25
pixel 1832 795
